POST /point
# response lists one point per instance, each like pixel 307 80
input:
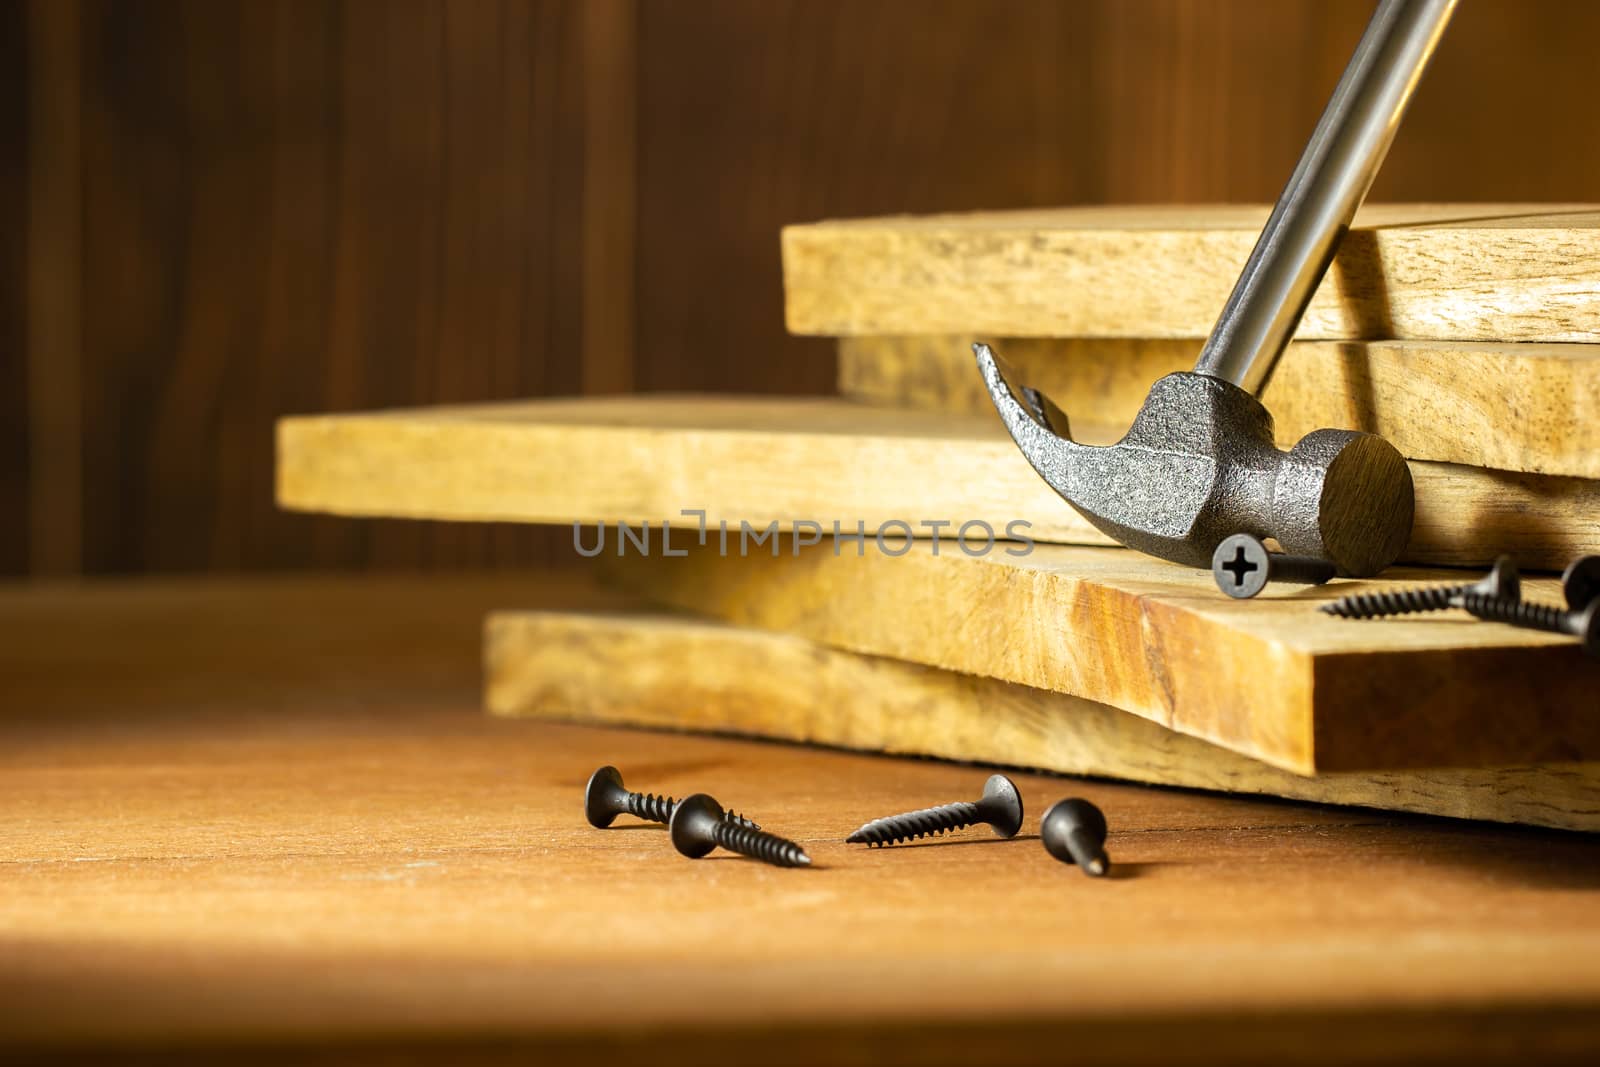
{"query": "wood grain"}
pixel 1272 678
pixel 327 852
pixel 15 490
pixel 325 183
pixel 752 116
pixel 1459 272
pixel 609 669
pixel 314 206
pixel 54 351
pixel 1522 407
pixel 764 460
pixel 610 196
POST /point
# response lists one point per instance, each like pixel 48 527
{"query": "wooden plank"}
pixel 768 460
pixel 1462 272
pixel 1272 678
pixel 327 848
pixel 607 669
pixel 1523 407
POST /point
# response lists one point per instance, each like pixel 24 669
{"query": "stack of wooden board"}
pixel 1463 334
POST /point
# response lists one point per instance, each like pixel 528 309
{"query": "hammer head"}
pixel 1200 463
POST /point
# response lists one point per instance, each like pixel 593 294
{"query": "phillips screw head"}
pixel 1242 567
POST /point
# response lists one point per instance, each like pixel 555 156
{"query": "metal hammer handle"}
pixel 1332 178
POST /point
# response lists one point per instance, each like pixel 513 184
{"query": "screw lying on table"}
pixel 1584 625
pixel 606 797
pixel 699 825
pixel 1242 567
pixel 1000 807
pixel 1501 583
pixel 1074 831
pixel 1580 582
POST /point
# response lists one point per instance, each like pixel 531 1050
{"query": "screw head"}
pixel 1589 629
pixel 603 797
pixel 692 824
pixel 1502 582
pixel 1001 799
pixel 1580 582
pixel 1241 566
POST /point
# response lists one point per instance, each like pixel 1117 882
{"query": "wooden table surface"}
pixel 268 818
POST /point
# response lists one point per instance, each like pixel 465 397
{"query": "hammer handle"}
pixel 1316 207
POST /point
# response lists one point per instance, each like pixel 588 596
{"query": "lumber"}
pixel 608 669
pixel 336 856
pixel 1516 407
pixel 1271 678
pixel 1463 272
pixel 793 461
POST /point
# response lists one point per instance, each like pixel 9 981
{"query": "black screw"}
pixel 1000 807
pixel 699 825
pixel 1580 582
pixel 606 797
pixel 1584 625
pixel 1501 583
pixel 1242 567
pixel 1074 831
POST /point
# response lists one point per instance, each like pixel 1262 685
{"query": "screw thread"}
pixel 1517 612
pixel 915 824
pixel 652 808
pixel 1299 569
pixel 769 848
pixel 1394 602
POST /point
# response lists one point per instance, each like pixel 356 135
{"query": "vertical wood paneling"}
pixel 16 71
pixel 314 205
pixel 609 137
pixel 1201 102
pixel 754 115
pixel 54 336
pixel 1507 111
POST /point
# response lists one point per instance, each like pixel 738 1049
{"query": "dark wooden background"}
pixel 219 212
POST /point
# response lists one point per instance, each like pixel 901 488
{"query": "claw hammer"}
pixel 1200 462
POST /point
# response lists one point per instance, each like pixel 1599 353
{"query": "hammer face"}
pixel 1346 497
pixel 1200 463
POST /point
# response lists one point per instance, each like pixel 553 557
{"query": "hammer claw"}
pixel 1200 464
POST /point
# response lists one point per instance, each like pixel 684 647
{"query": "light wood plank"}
pixel 764 460
pixel 1272 678
pixel 609 670
pixel 328 848
pixel 1464 272
pixel 1522 407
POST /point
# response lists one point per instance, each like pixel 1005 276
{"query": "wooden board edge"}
pixel 668 672
pixel 479 470
pixel 1526 408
